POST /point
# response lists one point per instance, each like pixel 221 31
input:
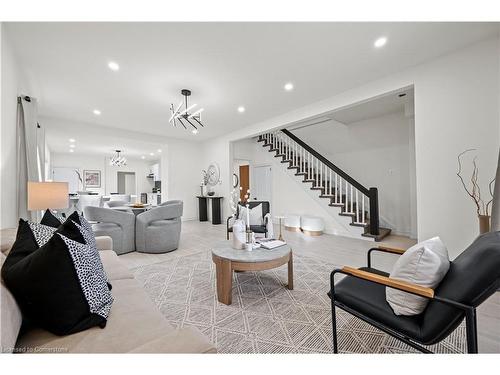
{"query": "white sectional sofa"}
pixel 135 325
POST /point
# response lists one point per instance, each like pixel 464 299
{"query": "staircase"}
pixel 333 184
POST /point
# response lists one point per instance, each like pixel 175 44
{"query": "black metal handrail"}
pixel 328 163
pixel 371 193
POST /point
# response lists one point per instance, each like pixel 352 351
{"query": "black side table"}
pixel 216 209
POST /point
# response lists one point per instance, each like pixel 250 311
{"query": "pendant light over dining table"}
pixel 182 116
pixel 117 160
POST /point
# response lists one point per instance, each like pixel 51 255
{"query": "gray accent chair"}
pixel 118 225
pixel 170 202
pixel 159 229
pixel 111 204
pixel 87 200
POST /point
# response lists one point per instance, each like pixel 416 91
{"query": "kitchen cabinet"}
pixel 155 170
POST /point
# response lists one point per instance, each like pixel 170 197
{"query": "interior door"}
pixel 244 180
pixel 262 183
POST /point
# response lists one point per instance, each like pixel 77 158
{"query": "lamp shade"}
pixel 43 195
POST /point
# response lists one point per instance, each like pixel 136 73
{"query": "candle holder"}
pixel 249 239
pixel 280 218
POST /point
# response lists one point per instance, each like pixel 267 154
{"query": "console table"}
pixel 216 208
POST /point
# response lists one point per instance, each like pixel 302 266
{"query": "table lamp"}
pixel 43 195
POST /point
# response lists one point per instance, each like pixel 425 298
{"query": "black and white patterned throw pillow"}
pixel 42 233
pixel 60 286
pixel 70 228
pixel 93 279
pixel 52 219
pixel 86 230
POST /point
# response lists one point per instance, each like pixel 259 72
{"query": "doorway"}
pixel 244 174
pixel 262 183
pixel 126 183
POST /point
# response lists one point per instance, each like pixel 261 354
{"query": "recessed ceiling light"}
pixel 151 154
pixel 113 66
pixel 71 150
pixel 380 42
pixel 159 150
pixel 143 157
pixel 288 86
pixel 194 131
pixel 72 146
pixel 96 112
pixel 72 140
pixel 241 109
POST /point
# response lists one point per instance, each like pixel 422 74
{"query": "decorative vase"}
pixel 204 190
pixel 484 224
pixel 239 237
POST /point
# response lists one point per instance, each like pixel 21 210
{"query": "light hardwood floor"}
pixel 197 236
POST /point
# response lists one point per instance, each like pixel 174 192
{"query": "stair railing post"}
pixel 287 148
pixel 302 159
pixel 374 219
pixel 309 166
pixel 316 170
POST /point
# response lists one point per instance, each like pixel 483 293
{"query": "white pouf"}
pixel 312 225
pixel 292 223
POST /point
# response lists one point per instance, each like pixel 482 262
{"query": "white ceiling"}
pixel 91 139
pixel 390 103
pixel 224 64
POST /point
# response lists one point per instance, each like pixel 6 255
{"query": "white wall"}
pixel 220 152
pixel 14 82
pixel 456 107
pixel 181 167
pixel 376 153
pixel 109 177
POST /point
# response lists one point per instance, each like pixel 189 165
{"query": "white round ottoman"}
pixel 292 223
pixel 312 225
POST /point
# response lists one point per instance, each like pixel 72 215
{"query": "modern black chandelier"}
pixel 183 116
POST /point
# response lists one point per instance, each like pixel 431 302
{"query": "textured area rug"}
pixel 266 317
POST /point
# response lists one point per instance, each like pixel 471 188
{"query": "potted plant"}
pixel 474 191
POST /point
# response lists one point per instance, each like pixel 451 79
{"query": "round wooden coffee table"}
pixel 227 260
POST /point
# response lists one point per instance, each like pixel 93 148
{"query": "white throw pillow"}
pixel 255 215
pixel 425 264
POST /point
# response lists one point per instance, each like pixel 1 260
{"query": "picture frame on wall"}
pixel 92 178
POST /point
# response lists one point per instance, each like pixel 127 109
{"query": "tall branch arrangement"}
pixel 473 189
pixel 79 177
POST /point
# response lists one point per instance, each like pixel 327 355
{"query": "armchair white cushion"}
pixel 425 264
pixel 256 216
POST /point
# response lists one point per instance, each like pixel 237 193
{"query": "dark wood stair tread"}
pixel 362 225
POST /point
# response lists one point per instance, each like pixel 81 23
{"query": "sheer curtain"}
pixel 495 209
pixel 30 152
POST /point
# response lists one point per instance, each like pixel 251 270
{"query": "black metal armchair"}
pixel 254 228
pixel 473 277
